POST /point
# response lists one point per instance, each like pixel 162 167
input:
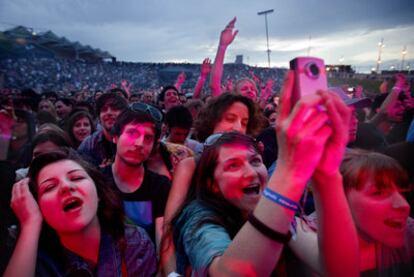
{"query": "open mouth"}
pixel 252 189
pixel 72 204
pixel 396 224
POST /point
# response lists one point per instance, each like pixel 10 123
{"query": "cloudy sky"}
pixel 345 31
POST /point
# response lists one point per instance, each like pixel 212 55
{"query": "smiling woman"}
pixel 374 185
pixel 79 209
pixel 80 125
pixel 219 220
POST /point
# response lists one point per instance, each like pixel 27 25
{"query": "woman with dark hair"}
pixel 48 138
pixel 374 186
pixel 231 176
pixel 233 223
pixel 228 112
pixel 23 131
pixel 83 230
pixel 80 125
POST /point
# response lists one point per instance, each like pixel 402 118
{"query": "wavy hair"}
pixel 212 113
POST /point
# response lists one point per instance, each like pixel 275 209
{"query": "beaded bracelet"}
pixel 268 232
pixel 281 200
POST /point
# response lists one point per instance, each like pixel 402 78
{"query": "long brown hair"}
pixel 202 185
pixel 110 210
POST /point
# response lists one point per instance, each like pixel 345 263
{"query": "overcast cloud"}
pixel 185 30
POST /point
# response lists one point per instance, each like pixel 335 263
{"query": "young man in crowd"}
pixel 168 98
pixel 98 148
pixel 143 192
pixel 179 122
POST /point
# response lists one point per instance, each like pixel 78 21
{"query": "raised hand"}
pixel 227 35
pixel 181 78
pixel 229 85
pixel 205 67
pixel 267 90
pixel 400 80
pixel 255 78
pixel 340 118
pixel 24 205
pixel 126 86
pixel 301 133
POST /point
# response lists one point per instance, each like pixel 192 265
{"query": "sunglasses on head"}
pixel 154 112
pixel 212 139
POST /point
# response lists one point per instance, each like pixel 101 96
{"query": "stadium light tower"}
pixel 403 53
pixel 380 47
pixel 267 33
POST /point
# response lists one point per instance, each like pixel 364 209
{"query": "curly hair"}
pixel 212 113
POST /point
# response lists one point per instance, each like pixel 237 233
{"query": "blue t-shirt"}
pixel 196 245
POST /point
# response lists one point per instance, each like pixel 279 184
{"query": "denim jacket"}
pixel 140 259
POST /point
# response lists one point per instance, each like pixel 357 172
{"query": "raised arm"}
pixel 391 108
pixel 302 135
pixel 180 80
pixel 23 260
pixel 204 71
pixel 337 236
pixel 226 38
pixel 265 93
pixel 179 190
pixel 125 85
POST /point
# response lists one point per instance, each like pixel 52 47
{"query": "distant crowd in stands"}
pixel 109 173
pixel 63 75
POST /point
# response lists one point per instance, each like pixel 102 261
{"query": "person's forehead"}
pixel 148 127
pixel 62 165
pixel 237 107
pixel 82 118
pixel 247 83
pixel 110 104
pixel 234 151
pixel 170 91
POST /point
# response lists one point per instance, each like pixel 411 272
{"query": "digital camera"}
pixel 310 76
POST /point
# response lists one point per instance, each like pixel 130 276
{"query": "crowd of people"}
pixel 128 178
pixel 64 75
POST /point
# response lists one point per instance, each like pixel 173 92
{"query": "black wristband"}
pixel 268 232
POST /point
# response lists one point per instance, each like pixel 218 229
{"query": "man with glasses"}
pixel 143 192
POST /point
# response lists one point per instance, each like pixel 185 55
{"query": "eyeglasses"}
pixel 153 111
